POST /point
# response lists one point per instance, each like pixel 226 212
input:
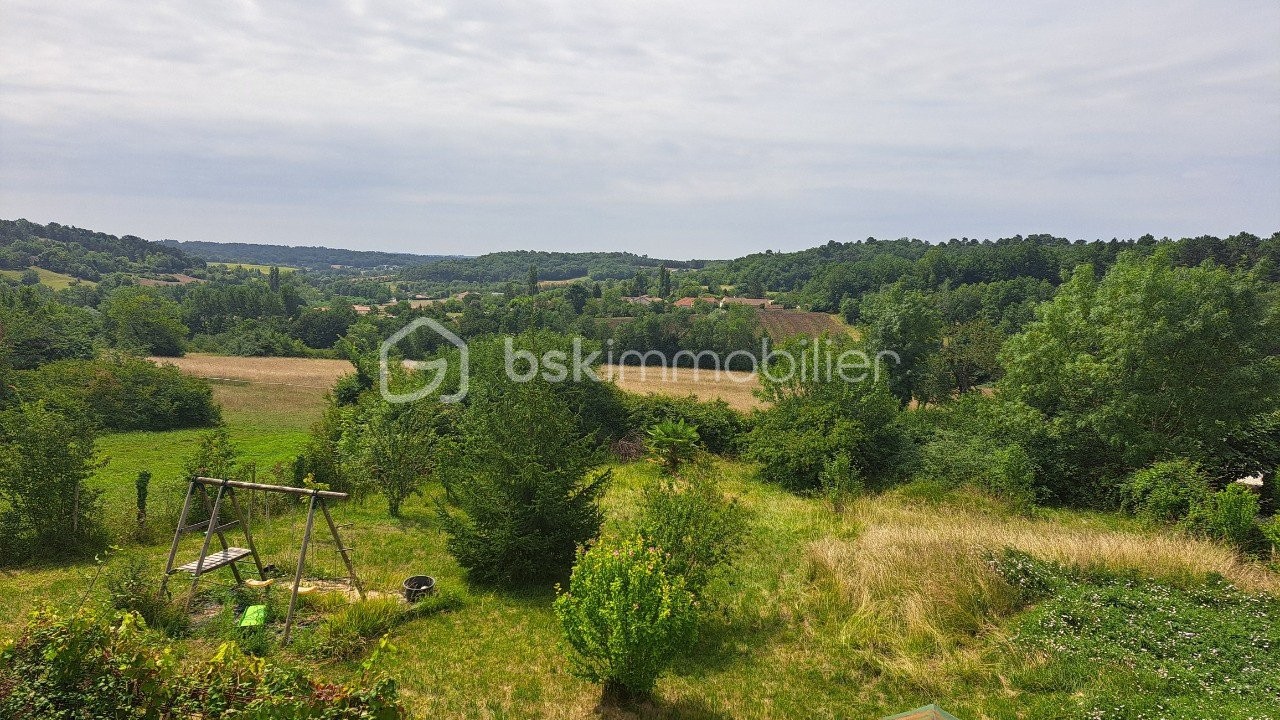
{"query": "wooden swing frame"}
pixel 229 555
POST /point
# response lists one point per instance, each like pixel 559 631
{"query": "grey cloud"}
pixel 670 128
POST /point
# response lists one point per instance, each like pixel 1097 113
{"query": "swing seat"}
pixel 222 558
pixel 259 583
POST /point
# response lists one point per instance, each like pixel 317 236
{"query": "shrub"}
pixel 395 451
pixel 694 523
pixel 522 483
pixel 45 459
pixel 625 617
pixel 673 443
pixel 1003 469
pixel 1230 515
pixel 794 439
pixel 76 666
pixel 122 393
pixel 720 427
pixel 840 481
pixel 1165 491
pixel 135 588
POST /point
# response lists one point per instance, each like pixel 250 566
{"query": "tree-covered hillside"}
pixel 83 253
pixel 514 265
pixel 302 257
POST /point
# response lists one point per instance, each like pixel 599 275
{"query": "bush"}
pixel 122 393
pixel 1166 491
pixel 80 667
pixel 1230 515
pixel 395 451
pixel 694 523
pixel 45 507
pixel 673 443
pixel 795 438
pixel 523 485
pixel 625 617
pixel 840 481
pixel 134 588
pixel 720 428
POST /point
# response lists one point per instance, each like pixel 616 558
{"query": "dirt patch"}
pixel 783 324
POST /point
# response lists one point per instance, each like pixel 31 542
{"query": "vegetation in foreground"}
pixel 867 556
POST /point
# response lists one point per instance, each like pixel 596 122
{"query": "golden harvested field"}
pixel 783 324
pixel 285 392
pixel 317 373
pixel 289 385
pixel 733 386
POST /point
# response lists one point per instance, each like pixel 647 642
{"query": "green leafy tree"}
pixel 576 295
pixel 523 484
pixel 905 322
pixel 1151 362
pixel 531 281
pixel 143 322
pixel 30 277
pixel 45 459
pixel 625 618
pixel 396 452
pixel 639 284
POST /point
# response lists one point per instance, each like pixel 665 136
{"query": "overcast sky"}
pixel 678 129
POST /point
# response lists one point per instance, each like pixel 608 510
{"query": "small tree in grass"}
pixel 395 450
pixel 625 617
pixel 522 485
pixel 673 443
pixel 45 458
pixel 692 521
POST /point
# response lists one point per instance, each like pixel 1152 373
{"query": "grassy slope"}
pixel 57 281
pixel 887 606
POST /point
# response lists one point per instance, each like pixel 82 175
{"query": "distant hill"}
pixel 304 257
pixel 83 253
pixel 514 266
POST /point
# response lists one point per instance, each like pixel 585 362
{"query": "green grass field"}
pixel 57 281
pixel 884 607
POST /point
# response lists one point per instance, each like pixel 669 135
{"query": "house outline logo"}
pixel 439 365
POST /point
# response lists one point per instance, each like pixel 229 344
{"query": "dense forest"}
pixel 299 257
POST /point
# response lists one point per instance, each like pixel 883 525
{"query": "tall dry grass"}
pixel 907 594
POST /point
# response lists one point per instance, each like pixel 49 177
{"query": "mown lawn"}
pixel 888 605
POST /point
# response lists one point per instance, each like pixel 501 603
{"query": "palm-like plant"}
pixel 672 444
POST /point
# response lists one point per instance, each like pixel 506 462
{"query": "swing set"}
pixel 229 555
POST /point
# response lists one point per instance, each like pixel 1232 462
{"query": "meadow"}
pixel 890 603
pixel 56 281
